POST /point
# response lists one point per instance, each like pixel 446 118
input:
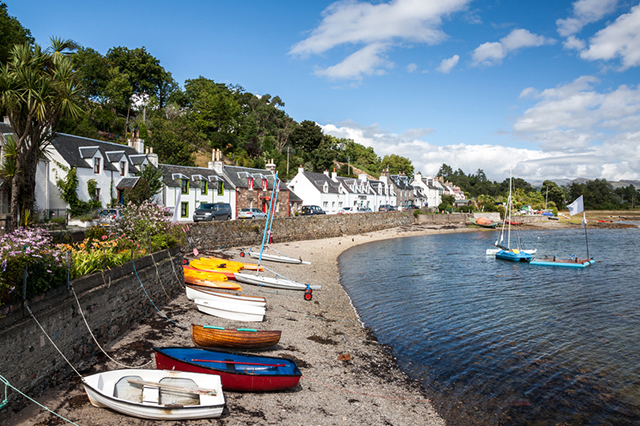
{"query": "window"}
pixel 184 209
pixel 220 187
pixel 204 187
pixel 250 182
pixel 264 184
pixel 325 188
pixel 325 204
pixel 97 194
pixel 185 186
pixel 123 168
pixel 96 165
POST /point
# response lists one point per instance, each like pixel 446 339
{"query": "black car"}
pixel 310 210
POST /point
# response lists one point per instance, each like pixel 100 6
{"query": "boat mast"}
pixel 509 207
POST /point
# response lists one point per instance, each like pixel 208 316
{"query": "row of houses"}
pixel 108 169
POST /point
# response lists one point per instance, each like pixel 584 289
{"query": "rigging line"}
pixel 54 345
pixel 366 394
pixel 96 340
pixel 174 270
pixel 154 305
pixel 158 276
pixel 6 383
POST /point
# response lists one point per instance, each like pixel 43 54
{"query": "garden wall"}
pixel 113 303
pixel 244 232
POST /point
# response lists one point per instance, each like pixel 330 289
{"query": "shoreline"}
pixel 348 377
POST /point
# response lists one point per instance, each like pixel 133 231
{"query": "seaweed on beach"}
pixel 322 340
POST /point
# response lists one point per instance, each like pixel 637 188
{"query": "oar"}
pixel 174 388
pixel 238 362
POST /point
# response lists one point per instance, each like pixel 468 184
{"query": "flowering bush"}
pixel 148 224
pixel 31 248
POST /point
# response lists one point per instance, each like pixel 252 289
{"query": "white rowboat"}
pixel 197 292
pixel 231 310
pixel 274 282
pixel 277 258
pixel 157 394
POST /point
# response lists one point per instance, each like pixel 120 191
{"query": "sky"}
pixel 548 88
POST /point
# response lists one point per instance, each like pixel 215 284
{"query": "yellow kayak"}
pixel 211 264
pixel 208 275
pixel 233 263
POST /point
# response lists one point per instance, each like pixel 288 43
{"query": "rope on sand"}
pixel 365 394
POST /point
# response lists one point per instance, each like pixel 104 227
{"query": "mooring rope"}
pixel 7 384
pixel 174 271
pixel 365 394
pixel 96 340
pixel 54 345
pixel 148 297
pixel 158 276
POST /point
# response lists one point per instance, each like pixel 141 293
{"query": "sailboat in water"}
pixel 509 253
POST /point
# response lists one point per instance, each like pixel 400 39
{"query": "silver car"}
pixel 251 214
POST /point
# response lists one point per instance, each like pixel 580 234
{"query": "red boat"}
pixel 243 373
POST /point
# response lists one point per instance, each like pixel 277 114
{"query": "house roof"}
pixel 128 182
pixel 238 177
pixel 173 174
pixel 318 180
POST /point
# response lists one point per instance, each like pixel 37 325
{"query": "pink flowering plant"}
pixel 149 225
pixel 29 248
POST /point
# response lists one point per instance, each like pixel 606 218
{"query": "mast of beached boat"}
pixel 267 225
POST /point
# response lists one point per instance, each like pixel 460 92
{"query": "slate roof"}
pixel 238 177
pixel 319 179
pixel 128 182
pixel 194 174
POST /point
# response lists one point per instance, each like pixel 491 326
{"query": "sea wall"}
pixel 245 232
pixel 112 302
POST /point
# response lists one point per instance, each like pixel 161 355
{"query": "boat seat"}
pixel 230 367
pixel 150 395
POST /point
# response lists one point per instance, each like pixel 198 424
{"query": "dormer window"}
pixel 220 187
pixel 123 168
pixel 250 182
pixel 185 186
pixel 204 187
pixel 264 184
pixel 325 188
pixel 96 165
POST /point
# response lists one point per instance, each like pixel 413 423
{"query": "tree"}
pixel 445 171
pixel 37 88
pixel 396 164
pixel 307 136
pixel 153 178
pixel 553 193
pixel 11 33
pixel 174 140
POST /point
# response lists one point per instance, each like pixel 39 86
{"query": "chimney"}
pixel 334 175
pixel 418 177
pixel 362 177
pixel 271 166
pixel 326 172
pixel 6 120
pixel 300 169
pixel 216 161
pixel 153 158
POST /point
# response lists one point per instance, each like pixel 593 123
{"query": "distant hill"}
pixel 568 182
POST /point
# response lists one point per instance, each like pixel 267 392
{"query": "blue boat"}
pixel 514 255
pixel 567 262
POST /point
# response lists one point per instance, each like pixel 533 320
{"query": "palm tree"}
pixel 37 88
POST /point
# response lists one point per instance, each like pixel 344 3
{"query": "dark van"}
pixel 212 211
pixel 311 210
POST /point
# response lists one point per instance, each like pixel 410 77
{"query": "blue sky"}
pixel 548 88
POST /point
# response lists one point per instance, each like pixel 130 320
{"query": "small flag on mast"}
pixel 576 207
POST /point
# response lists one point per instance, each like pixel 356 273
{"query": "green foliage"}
pixel 11 33
pixel 139 193
pixel 396 164
pixel 149 225
pixel 68 187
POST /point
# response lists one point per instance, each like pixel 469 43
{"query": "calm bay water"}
pixel 497 342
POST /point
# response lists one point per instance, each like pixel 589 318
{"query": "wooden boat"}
pixel 231 310
pixel 278 258
pixel 482 221
pixel 241 338
pixel 198 292
pixel 246 373
pixel 568 262
pixel 275 282
pixel 220 285
pixel 157 394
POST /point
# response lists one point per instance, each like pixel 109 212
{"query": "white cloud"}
pixel 412 68
pixel 584 12
pixel 360 23
pixel 492 53
pixel 620 39
pixel 574 43
pixel 447 64
pixel 365 61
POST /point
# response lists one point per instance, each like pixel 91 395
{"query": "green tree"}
pixel 445 171
pixel 37 88
pixel 11 33
pixel 174 140
pixel 553 193
pixel 396 164
pixel 307 136
pixel 152 176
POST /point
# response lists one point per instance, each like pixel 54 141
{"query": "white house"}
pixel 428 188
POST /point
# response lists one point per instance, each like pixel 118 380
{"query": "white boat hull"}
pixel 492 252
pixel 206 294
pixel 229 310
pixel 111 389
pixel 277 258
pixel 274 282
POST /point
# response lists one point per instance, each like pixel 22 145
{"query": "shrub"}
pixel 29 248
pixel 148 224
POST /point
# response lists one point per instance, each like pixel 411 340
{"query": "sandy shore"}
pixel 348 378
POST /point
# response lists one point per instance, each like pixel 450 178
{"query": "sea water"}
pixel 498 342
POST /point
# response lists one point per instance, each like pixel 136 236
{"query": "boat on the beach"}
pixel 199 292
pixel 231 310
pixel 483 221
pixel 157 394
pixel 201 274
pixel 566 262
pixel 278 258
pixel 274 282
pixel 203 271
pixel 245 373
pixel 233 263
pixel 240 338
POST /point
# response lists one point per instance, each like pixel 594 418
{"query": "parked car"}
pixel 364 210
pixel 347 210
pixel 412 207
pixel 212 211
pixel 385 208
pixel 251 213
pixel 310 210
pixel 108 216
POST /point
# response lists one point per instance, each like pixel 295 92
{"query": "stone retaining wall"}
pixel 245 232
pixel 112 302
